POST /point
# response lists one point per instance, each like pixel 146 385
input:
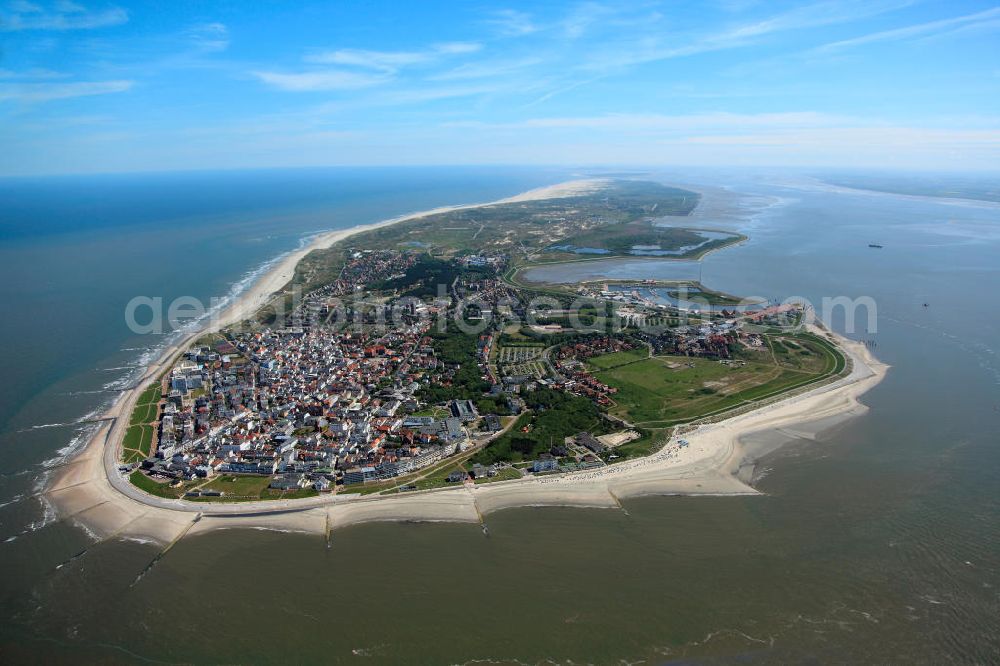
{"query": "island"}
pixel 410 371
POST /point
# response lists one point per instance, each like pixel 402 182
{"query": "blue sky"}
pixel 97 86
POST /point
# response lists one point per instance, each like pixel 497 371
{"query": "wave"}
pixel 78 441
pixel 43 426
pixel 140 540
pixel 94 536
pixel 48 517
pixel 13 500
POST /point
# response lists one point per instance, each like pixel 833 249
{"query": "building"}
pixel 359 475
pixel 464 410
pixel 289 482
pixel 458 476
pixel 589 441
pixel 480 472
pixel 545 463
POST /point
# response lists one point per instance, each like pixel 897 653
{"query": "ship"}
pixel 875 245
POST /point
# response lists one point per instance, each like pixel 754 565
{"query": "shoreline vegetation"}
pixel 694 456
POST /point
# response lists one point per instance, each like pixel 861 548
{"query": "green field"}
pixel 620 239
pixel 143 482
pixel 661 391
pixel 704 296
pixel 615 359
pixel 438 479
pixel 144 413
pixel 138 440
pixel 298 493
pixel 435 412
pixel 505 474
pixel 137 443
pixel 241 486
pixel 369 488
pixel 649 442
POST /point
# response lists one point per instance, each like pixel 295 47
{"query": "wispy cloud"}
pixel 44 92
pixel 581 18
pixel 209 37
pixel 643 123
pixel 391 61
pixel 512 23
pixel 32 74
pixel 985 18
pixel 320 80
pixel 487 69
pixel 63 15
pixel 651 48
pixel 880 137
pixel 360 68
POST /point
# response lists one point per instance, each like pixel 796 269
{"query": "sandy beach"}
pixel 89 490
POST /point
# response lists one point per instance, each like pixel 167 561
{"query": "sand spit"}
pixel 282 273
pixel 90 491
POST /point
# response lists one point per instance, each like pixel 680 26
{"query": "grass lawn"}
pixel 705 296
pixel 137 442
pixel 298 493
pixel 366 488
pixel 143 482
pixel 651 392
pixel 150 395
pixel 613 360
pixel 434 412
pixel 144 413
pixel 241 486
pixel 805 353
pixel 129 456
pixel 639 447
pixel 505 474
pixel 438 479
pixel 139 437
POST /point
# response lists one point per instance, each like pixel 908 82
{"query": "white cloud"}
pixel 868 137
pixel 44 92
pixel 644 123
pixel 361 68
pixel 320 80
pixel 512 23
pixel 652 48
pixel 979 19
pixel 457 48
pixel 583 17
pixel 209 37
pixel 391 61
pixel 486 69
pixel 35 73
pixel 64 15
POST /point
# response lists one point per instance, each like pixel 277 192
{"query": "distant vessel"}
pixel 874 245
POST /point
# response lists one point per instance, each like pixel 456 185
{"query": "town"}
pixel 317 405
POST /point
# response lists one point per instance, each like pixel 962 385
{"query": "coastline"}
pixel 89 491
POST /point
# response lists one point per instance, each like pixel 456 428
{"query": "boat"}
pixel 875 245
